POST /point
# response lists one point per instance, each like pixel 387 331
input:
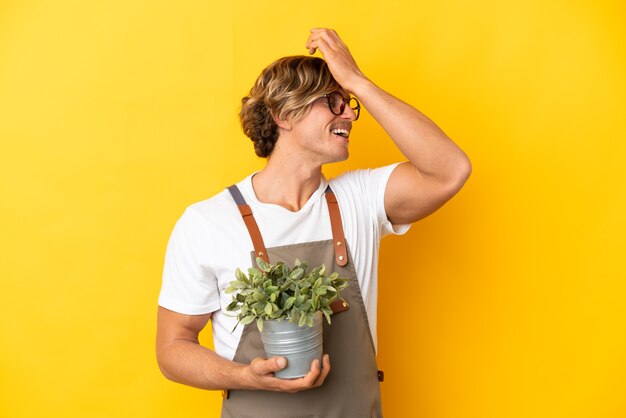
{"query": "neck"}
pixel 287 182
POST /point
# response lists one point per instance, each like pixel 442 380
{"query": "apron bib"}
pixel 351 389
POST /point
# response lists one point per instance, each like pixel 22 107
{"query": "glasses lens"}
pixel 353 103
pixel 337 104
pixel 355 106
pixel 335 100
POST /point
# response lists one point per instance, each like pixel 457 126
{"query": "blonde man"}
pixel 299 115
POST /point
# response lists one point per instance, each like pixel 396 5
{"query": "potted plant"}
pixel 287 304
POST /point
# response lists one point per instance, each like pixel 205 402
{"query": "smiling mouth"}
pixel 344 133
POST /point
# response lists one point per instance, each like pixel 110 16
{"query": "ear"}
pixel 283 124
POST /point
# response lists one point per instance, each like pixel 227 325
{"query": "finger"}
pixel 325 370
pixel 309 379
pixel 321 45
pixel 319 31
pixel 310 44
pixel 302 383
pixel 315 34
pixel 264 367
pixel 330 36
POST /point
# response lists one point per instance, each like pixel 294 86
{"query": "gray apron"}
pixel 351 389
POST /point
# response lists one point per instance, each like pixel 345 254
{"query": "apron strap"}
pixel 248 219
pixel 339 243
pixel 339 240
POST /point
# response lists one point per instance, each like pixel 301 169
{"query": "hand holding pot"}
pixel 261 375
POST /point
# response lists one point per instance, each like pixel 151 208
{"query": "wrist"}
pixel 361 86
pixel 244 377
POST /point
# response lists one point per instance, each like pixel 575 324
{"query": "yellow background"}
pixel 116 115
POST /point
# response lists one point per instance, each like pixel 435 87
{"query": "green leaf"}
pixel 289 302
pixel 295 316
pixel 258 306
pixel 340 284
pixel 277 314
pixel 296 274
pixel 263 265
pixel 315 272
pixel 302 320
pixel 248 319
pixel 240 276
pixel 271 289
pixel 327 313
pixel 321 290
pixel 306 306
pixel 258 280
pixel 233 306
pixel 259 296
pixel 259 324
pixel 238 284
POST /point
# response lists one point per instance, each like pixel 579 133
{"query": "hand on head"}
pixel 340 62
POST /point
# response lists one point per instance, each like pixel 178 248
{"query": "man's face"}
pixel 322 135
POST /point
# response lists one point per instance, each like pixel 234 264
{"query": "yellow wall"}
pixel 115 115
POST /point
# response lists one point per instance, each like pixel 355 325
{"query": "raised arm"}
pixel 436 168
pixel 182 359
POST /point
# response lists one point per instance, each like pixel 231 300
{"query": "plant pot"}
pixel 299 345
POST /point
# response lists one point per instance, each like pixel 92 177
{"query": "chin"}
pixel 340 158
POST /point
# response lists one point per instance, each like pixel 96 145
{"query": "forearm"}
pixel 419 139
pixel 190 363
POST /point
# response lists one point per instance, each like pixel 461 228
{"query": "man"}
pixel 299 115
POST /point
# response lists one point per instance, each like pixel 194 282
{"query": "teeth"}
pixel 342 132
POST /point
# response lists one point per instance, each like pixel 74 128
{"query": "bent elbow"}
pixel 162 361
pixel 462 173
pixel 466 169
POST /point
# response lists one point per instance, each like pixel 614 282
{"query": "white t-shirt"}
pixel 210 241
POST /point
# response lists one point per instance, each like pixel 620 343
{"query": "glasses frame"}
pixel 348 101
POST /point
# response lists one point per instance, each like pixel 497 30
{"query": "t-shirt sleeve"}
pixel 189 284
pixel 377 184
pixel 367 187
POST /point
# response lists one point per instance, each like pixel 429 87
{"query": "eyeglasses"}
pixel 337 103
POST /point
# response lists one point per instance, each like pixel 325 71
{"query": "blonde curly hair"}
pixel 285 90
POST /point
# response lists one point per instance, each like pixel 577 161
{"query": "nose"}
pixel 348 113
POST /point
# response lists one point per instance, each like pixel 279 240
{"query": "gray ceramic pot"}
pixel 299 345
